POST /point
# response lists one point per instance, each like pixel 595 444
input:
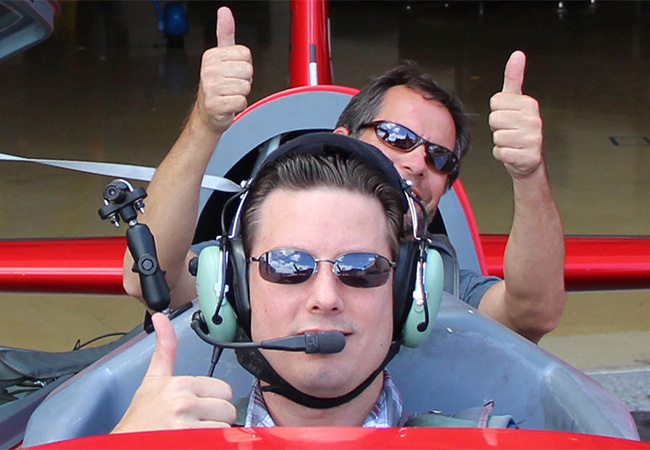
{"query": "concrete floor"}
pixel 105 87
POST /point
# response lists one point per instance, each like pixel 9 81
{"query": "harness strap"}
pixel 241 405
pixel 478 417
pixel 129 171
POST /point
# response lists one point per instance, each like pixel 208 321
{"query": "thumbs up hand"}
pixel 516 123
pixel 226 77
pixel 164 401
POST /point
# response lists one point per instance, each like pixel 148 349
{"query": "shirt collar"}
pixel 386 412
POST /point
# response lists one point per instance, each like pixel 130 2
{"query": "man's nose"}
pixel 414 163
pixel 326 291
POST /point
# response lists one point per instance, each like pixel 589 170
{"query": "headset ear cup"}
pixel 210 278
pixel 237 279
pixel 403 283
pixel 414 334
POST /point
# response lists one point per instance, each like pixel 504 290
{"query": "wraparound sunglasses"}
pixel 290 266
pixel 401 138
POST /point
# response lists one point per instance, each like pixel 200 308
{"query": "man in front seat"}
pixel 320 230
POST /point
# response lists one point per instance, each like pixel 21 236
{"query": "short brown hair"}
pixel 301 171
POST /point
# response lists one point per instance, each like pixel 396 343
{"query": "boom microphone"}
pixel 310 342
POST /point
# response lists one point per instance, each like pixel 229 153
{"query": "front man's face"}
pixel 326 223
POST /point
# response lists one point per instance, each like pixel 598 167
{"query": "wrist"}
pixel 537 174
pixel 213 120
pixel 200 127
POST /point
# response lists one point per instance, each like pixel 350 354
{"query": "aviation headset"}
pixel 222 272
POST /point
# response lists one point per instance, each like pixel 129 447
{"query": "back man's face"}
pixel 430 120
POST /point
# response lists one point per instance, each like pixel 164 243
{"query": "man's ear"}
pixel 342 130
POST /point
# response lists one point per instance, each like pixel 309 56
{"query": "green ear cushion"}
pixel 434 280
pixel 209 279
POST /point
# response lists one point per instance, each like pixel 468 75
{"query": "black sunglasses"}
pixel 401 138
pixel 290 266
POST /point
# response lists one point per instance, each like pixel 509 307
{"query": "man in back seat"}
pixel 424 131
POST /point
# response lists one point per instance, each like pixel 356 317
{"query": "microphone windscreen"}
pixel 324 342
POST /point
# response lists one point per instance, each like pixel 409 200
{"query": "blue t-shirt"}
pixel 474 285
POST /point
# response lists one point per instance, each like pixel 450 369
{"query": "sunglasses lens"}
pixel 401 138
pixel 286 266
pixel 396 135
pixel 442 159
pixel 363 270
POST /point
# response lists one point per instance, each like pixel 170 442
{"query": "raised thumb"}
pixel 225 27
pixel 164 355
pixel 513 77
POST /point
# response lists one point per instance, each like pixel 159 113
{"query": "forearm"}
pixel 173 201
pixel 172 208
pixel 531 297
pixel 534 291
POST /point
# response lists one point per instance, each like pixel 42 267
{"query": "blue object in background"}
pixel 175 19
pixel 172 18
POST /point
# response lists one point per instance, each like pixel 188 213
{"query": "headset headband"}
pixel 410 304
pixel 325 143
pixel 329 143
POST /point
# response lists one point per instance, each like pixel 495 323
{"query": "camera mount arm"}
pixel 122 201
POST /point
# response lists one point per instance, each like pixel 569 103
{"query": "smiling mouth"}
pixel 418 194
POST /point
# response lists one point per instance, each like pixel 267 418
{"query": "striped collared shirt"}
pixel 387 411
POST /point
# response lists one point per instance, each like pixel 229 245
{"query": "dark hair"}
pixel 300 171
pixel 365 106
